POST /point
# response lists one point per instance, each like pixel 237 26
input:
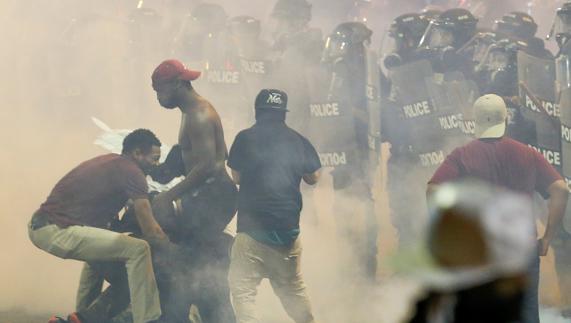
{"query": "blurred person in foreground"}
pixel 73 222
pixel 268 161
pixel 503 162
pixel 206 195
pixel 479 242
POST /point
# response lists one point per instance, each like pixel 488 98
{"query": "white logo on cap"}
pixel 275 98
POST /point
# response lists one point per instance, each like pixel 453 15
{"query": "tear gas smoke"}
pixel 63 61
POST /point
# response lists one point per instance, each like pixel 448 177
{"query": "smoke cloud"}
pixel 64 61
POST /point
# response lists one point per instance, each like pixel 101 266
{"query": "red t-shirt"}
pixel 502 162
pixel 94 192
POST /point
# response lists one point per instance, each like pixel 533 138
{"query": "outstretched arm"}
pixel 149 226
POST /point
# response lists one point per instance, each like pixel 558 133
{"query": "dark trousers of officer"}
pixel 531 297
pixel 358 232
pixel 562 249
pixel 406 186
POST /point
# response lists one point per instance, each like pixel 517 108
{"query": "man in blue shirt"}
pixel 268 161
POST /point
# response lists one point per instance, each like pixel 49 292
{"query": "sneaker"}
pixel 74 318
pixel 57 319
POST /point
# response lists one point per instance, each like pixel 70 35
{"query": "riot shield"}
pixel 565 104
pixel 332 123
pixel 563 87
pixel 435 109
pixel 536 79
pixel 373 93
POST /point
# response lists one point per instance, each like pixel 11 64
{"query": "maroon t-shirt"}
pixel 502 162
pixel 94 192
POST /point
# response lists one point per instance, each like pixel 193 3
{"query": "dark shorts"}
pixel 206 211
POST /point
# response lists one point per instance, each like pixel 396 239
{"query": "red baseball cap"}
pixel 172 69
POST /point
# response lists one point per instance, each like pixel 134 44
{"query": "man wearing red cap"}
pixel 206 196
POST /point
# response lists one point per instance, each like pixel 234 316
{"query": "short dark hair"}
pixel 143 139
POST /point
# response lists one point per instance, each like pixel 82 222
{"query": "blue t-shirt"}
pixel 271 159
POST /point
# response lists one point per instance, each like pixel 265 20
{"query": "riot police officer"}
pixel 404 36
pixel 343 129
pixel 423 117
pixel 445 37
pixel 250 56
pixel 296 53
pixel 521 26
pixel 561 33
pixel 291 28
pixel 201 34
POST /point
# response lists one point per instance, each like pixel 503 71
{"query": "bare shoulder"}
pixel 204 112
pixel 202 119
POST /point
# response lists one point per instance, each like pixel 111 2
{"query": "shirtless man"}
pixel 206 196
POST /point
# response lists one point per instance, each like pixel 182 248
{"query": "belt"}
pixel 39 220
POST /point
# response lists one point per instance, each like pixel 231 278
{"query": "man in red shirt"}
pixel 72 223
pixel 508 164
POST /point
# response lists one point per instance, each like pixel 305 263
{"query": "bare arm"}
pixel 559 194
pixel 146 220
pixel 312 178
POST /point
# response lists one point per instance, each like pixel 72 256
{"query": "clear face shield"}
pixel 245 34
pixel 437 36
pixel 497 60
pixel 563 72
pixel 479 45
pixel 497 69
pixel 561 29
pixel 336 46
pixel 394 45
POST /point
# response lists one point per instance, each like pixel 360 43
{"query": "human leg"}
pixel 284 271
pixel 93 244
pixel 246 273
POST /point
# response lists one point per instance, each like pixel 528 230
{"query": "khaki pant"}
pixel 251 261
pixel 92 244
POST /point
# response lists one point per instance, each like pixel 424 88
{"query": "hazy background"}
pixel 54 76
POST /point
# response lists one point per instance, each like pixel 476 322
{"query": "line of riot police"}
pixel 435 64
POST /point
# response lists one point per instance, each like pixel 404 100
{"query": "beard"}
pixel 168 104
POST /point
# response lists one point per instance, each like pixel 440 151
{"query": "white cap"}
pixel 491 114
pixel 501 236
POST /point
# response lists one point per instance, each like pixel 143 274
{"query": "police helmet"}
pixel 411 25
pixel 516 24
pixel 429 15
pixel 561 29
pixel 345 35
pixel 452 28
pixel 244 25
